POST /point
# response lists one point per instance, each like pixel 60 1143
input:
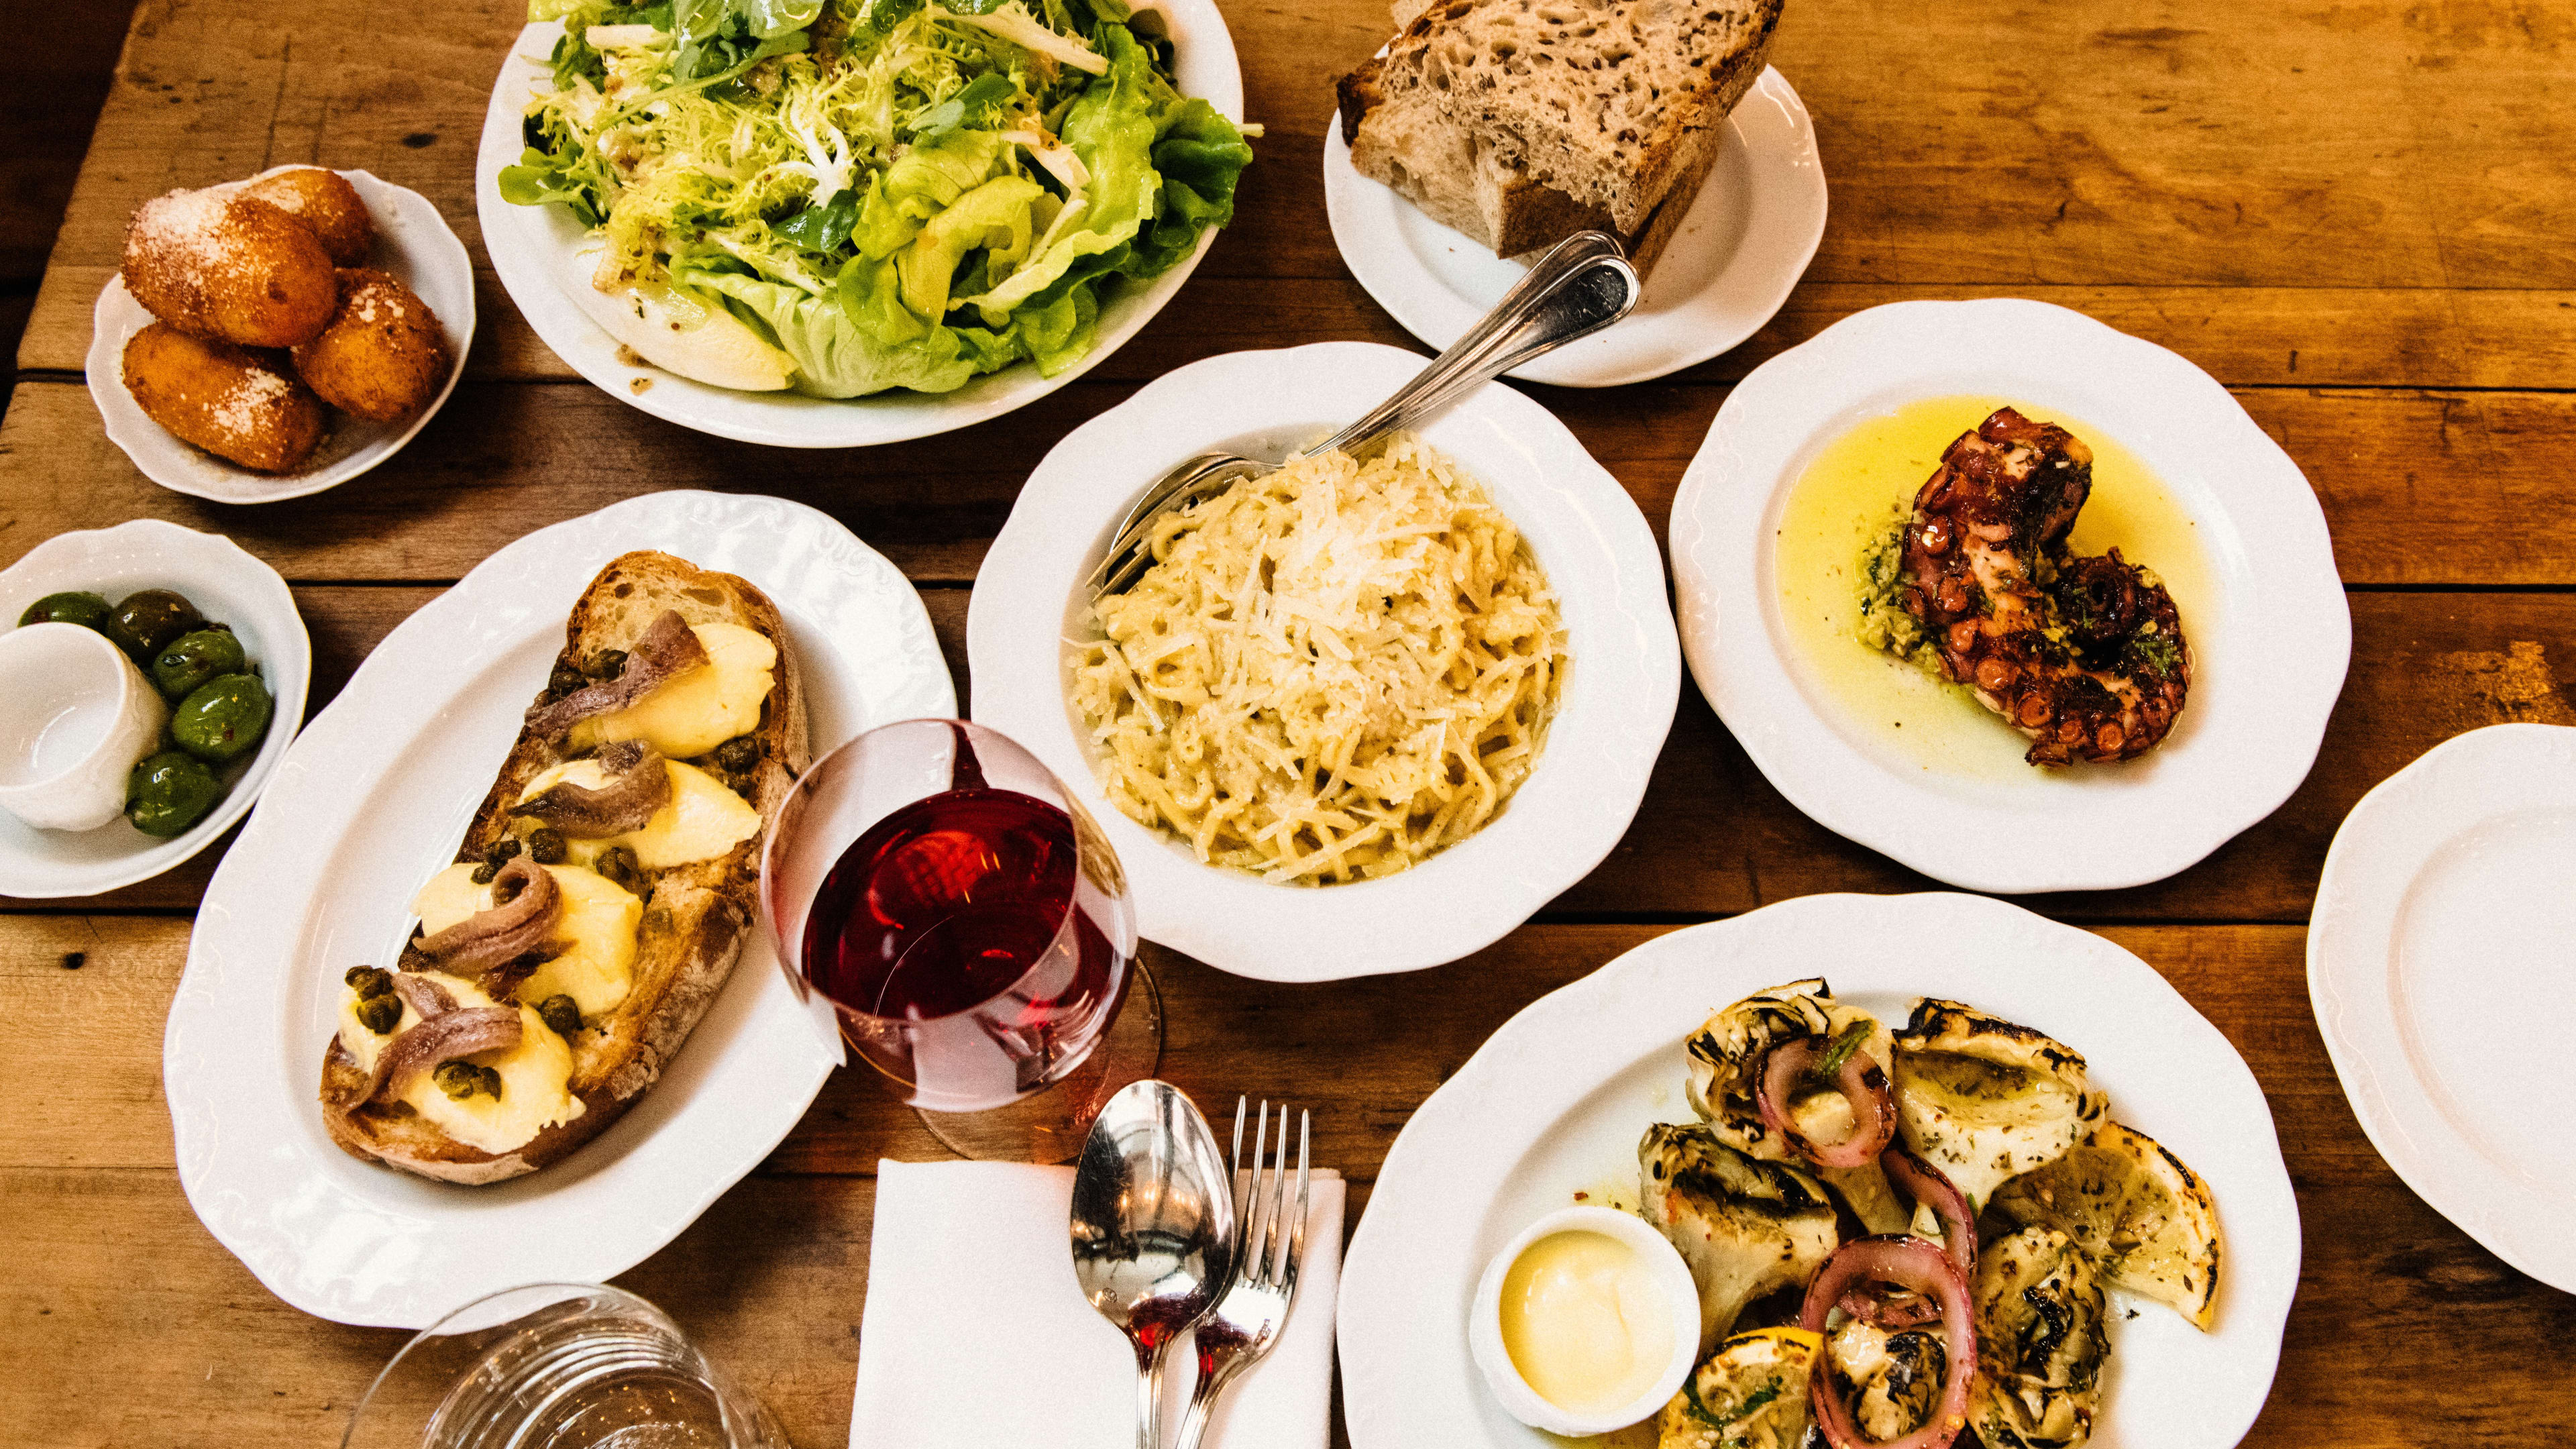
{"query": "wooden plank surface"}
pixel 2354 216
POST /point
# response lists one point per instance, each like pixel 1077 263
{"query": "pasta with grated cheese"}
pixel 1329 672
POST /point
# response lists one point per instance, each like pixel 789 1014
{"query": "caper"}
pixel 492 1082
pixel 369 982
pixel 145 623
pixel 461 1079
pixel 546 845
pixel 381 1014
pixel 169 792
pixel 618 866
pixel 561 1013
pixel 482 874
pixel 740 753
pixel 502 852
pixel 565 680
pixel 606 664
pixel 223 718
pixel 87 610
pixel 195 657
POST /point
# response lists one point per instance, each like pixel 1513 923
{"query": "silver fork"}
pixel 1246 1321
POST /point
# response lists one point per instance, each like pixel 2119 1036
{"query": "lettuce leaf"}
pixel 839 354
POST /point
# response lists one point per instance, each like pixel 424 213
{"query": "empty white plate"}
pixel 1739 253
pixel 2442 966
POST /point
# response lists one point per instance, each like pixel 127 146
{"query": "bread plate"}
pixel 369 803
pixel 1741 249
pixel 533 250
pixel 415 244
pixel 2268 658
pixel 1583 529
pixel 1554 1103
pixel 2444 898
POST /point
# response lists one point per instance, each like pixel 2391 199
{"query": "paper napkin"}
pixel 975 1334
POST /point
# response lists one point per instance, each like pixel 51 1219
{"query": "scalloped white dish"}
pixel 225 583
pixel 1738 255
pixel 370 801
pixel 529 245
pixel 2444 934
pixel 414 243
pixel 2268 655
pixel 1621 686
pixel 1555 1102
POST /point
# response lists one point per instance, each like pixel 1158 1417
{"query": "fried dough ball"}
pixel 229 266
pixel 230 401
pixel 324 201
pixel 383 356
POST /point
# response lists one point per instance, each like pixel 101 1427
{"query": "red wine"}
pixel 956 923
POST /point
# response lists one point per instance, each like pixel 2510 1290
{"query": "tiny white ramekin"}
pixel 48 674
pixel 1672 1275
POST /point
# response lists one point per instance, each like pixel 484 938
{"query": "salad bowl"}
pixel 540 255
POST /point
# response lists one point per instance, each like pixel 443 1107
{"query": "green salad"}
pixel 892 193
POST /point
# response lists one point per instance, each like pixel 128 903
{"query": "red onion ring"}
pixel 1893 1312
pixel 1908 1262
pixel 1931 1187
pixel 1858 1079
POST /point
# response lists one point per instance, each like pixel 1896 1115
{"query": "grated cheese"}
pixel 1329 672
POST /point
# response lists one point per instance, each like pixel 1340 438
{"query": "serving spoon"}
pixel 1583 284
pixel 1153 1227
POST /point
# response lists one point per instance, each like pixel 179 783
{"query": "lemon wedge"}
pixel 2144 1216
pixel 1750 1394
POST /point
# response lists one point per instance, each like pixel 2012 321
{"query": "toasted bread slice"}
pixel 696 916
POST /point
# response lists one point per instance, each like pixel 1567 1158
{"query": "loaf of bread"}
pixel 1521 122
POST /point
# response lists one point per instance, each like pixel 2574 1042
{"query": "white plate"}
pixel 526 243
pixel 415 244
pixel 369 803
pixel 1581 526
pixel 1555 1102
pixel 1748 238
pixel 2442 966
pixel 2268 661
pixel 227 585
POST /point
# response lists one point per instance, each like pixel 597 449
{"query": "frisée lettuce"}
pixel 897 193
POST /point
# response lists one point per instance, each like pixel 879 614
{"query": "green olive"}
pixel 145 623
pixel 195 657
pixel 223 718
pixel 169 792
pixel 87 610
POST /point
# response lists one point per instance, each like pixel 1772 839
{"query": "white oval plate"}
pixel 226 584
pixel 2267 665
pixel 1554 1103
pixel 527 244
pixel 415 244
pixel 1584 530
pixel 2442 967
pixel 1748 238
pixel 369 803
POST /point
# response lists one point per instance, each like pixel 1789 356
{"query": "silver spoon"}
pixel 1582 285
pixel 1153 1227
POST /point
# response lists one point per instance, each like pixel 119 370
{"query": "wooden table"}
pixel 2357 217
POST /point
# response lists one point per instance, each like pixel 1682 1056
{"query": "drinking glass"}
pixel 559 1365
pixel 972 931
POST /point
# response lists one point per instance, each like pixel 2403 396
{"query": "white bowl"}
pixel 225 584
pixel 1672 1276
pixel 415 244
pixel 75 714
pixel 1582 527
pixel 529 244
pixel 2268 659
pixel 1738 255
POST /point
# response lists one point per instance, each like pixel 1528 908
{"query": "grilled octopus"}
pixel 2084 655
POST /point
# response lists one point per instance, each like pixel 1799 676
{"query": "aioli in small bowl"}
pixel 1586 1322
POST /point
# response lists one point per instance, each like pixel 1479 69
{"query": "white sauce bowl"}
pixel 1672 1276
pixel 75 714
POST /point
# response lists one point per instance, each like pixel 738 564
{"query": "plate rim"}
pixel 224 1175
pixel 1538 1033
pixel 2289 622
pixel 2464 1186
pixel 766 417
pixel 1783 155
pixel 1234 922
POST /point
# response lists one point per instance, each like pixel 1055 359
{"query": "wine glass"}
pixel 972 931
